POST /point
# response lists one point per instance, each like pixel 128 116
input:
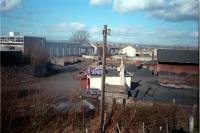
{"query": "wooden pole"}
pixel 102 106
pixel 83 112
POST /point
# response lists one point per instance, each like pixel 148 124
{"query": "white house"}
pixel 114 76
pixel 129 51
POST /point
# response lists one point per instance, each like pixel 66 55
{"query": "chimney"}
pixel 122 76
pixel 152 54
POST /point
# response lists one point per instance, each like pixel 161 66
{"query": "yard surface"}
pixel 64 84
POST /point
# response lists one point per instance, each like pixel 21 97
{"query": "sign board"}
pixel 95 71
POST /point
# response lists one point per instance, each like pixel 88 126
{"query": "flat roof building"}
pixel 17 42
pixel 30 47
pixel 65 48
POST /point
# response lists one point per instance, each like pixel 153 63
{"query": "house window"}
pixel 12 48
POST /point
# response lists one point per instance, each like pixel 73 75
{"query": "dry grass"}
pixel 130 119
pixel 33 112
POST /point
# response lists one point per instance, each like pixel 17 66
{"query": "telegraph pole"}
pixel 102 102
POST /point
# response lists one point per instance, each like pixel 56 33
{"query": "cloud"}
pixel 141 34
pixel 68 26
pixel 100 2
pixel 130 34
pixel 6 5
pixel 135 5
pixel 194 34
pixel 77 25
pixel 175 10
pixel 95 30
pixel 179 10
pixel 120 30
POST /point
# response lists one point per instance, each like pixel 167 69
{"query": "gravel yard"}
pixel 64 84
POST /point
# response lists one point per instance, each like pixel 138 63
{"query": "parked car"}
pixel 92 93
pixel 95 92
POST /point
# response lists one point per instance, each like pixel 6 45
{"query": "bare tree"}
pixel 80 36
pixel 38 53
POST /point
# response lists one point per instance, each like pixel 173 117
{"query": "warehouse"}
pixel 178 68
pixel 26 44
pixel 61 48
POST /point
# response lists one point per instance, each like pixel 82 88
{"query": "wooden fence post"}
pixel 143 128
pixel 118 128
pixel 167 127
pixel 191 124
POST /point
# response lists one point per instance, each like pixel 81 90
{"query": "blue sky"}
pixel 160 22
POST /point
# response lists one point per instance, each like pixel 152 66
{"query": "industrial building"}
pixel 54 48
pixel 178 68
pixel 13 42
pixel 16 42
pixel 62 49
pixel 151 65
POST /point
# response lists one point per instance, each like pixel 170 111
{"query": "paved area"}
pixel 145 86
pixel 148 88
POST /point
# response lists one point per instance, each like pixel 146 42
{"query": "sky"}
pixel 162 22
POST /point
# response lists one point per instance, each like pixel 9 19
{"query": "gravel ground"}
pixel 63 84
